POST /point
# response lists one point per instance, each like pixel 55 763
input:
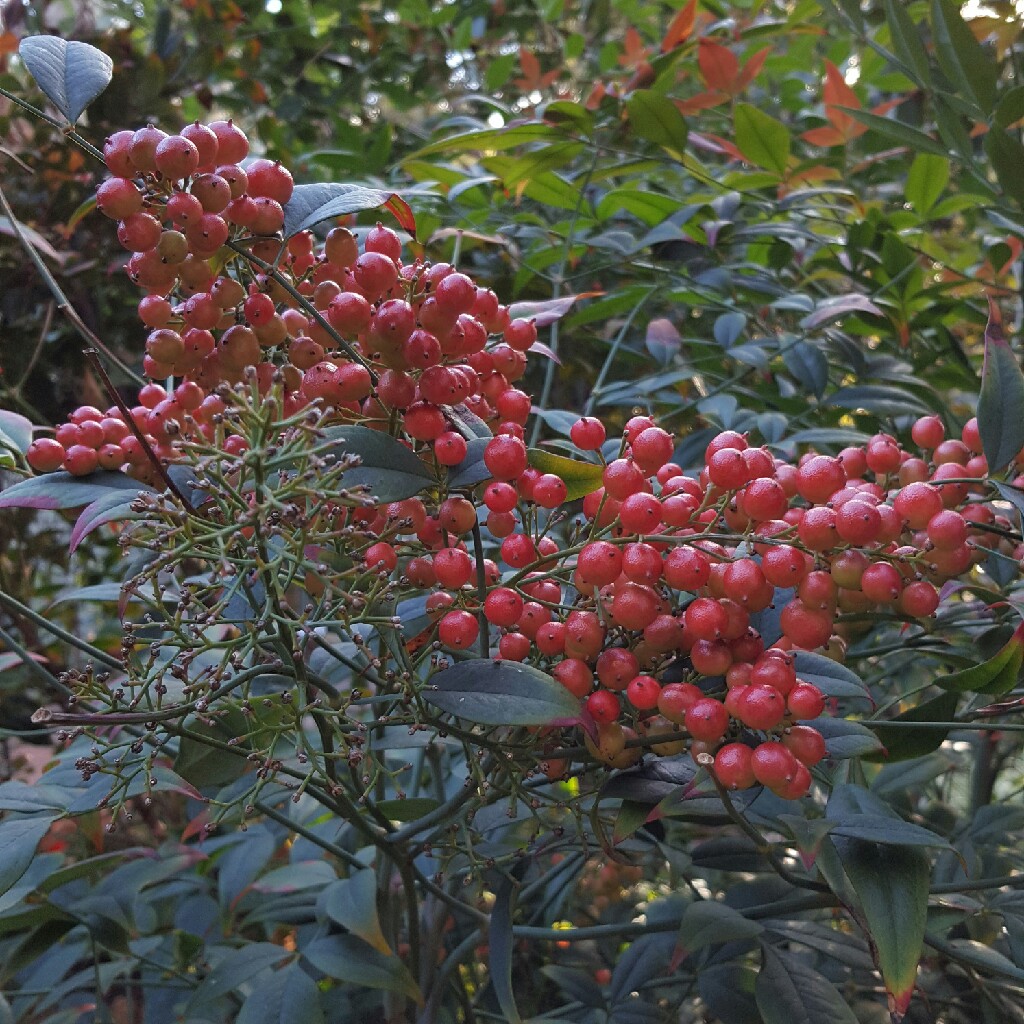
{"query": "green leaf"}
pixel 501 693
pixel 580 478
pixel 650 207
pixel 492 139
pixel 845 738
pixel 18 841
pixel 656 118
pixel 898 131
pixel 309 205
pixel 409 809
pixel 348 958
pixel 1001 401
pixel 788 991
pixel 238 966
pixel 352 902
pixel 882 399
pixel 761 139
pixel 389 470
pixel 964 60
pixel 62 490
pixel 204 765
pixel 891 883
pixel 901 744
pixel 502 946
pixel 71 74
pixel 833 679
pixel 926 180
pixel 889 831
pixel 288 996
pixel 708 923
pixel 809 365
pixel 996 676
pixel 906 41
pixel 1007 156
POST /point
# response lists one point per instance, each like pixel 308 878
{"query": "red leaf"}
pixel 824 136
pixel 680 28
pixel 403 214
pixel 753 67
pixel 718 65
pixel 531 71
pixel 702 101
pixel 836 91
pixel 633 49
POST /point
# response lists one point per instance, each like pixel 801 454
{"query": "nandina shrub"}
pixel 416 680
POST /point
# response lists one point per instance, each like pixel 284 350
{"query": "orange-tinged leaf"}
pixel 531 71
pixel 817 172
pixel 680 28
pixel 8 43
pixel 836 91
pixel 633 49
pixel 597 94
pixel 753 67
pixel 702 101
pixel 718 65
pixel 824 136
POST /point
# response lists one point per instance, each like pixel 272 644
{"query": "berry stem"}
pixel 94 359
pixel 481 590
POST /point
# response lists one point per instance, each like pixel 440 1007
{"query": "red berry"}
pixel 643 692
pixel 706 719
pixel 505 457
pixel 603 706
pixel 734 766
pixel 458 630
pixel 762 707
pixel 588 434
pixel 805 743
pixel 805 701
pixel 577 678
pixel 676 699
pixel 503 607
pixel 45 455
pixel 772 764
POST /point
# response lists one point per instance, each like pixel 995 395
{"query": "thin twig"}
pixel 94 359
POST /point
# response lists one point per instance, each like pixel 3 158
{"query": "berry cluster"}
pixel 648 613
pixel 358 330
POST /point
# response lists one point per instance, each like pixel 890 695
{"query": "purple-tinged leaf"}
pixel 833 309
pixel 1001 402
pixel 548 311
pixel 113 507
pixel 62 490
pixel 663 340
